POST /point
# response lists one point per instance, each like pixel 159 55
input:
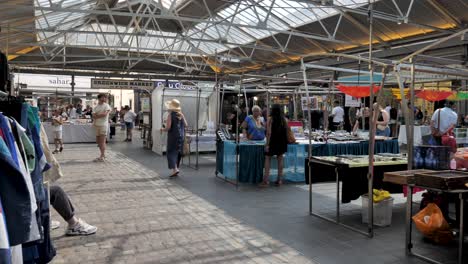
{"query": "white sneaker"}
pixel 81 229
pixel 54 224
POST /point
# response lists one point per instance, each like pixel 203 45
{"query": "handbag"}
pixel 448 139
pixel 291 138
pixel 186 150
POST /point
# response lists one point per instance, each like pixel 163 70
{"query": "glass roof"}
pixel 239 23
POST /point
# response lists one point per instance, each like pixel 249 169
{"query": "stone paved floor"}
pixel 143 218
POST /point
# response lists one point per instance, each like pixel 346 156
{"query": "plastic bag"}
pixel 431 223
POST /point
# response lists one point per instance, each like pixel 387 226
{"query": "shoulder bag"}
pixel 291 138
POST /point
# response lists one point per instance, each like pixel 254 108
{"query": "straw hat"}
pixel 173 105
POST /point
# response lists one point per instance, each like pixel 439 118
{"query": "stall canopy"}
pixel 188 100
pixel 358 86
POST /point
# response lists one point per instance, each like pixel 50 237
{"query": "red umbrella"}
pixel 433 95
pixel 357 90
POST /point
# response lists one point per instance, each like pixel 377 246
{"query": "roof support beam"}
pixel 445 13
pixel 384 16
pixel 186 19
pixel 361 27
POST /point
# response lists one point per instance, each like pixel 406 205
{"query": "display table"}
pixel 72 133
pixel 419 133
pixel 252 158
pixel 352 172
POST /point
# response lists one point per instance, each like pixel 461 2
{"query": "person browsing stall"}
pixel 101 124
pixel 444 120
pixel 360 124
pixel 382 128
pixel 253 126
pixel 338 116
pixel 129 119
pixel 276 143
pixel 175 128
pixel 57 122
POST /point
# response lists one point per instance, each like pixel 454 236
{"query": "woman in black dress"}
pixel 276 143
pixel 175 128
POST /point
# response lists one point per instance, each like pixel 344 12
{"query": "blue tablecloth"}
pixel 252 158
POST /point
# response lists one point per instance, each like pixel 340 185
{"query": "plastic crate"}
pixel 382 211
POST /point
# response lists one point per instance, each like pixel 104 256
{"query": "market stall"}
pixel 199 108
pixel 252 158
pixel 78 132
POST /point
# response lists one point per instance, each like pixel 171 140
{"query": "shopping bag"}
pixel 431 223
pixel 186 150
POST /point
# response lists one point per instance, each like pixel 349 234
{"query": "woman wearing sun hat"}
pixel 175 128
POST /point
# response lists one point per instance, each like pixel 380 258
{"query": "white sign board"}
pixel 37 81
pixel 175 85
pixel 352 101
pixel 313 103
pixel 108 84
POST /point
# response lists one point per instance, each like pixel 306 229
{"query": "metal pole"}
pixel 218 122
pixel 462 230
pixel 162 119
pixel 150 136
pixel 268 103
pixel 238 137
pixel 408 222
pixel 370 175
pixel 404 108
pixel 410 129
pixel 72 88
pixel 295 104
pixel 309 155
pixel 221 105
pixel 198 117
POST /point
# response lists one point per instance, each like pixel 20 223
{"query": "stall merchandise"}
pixel 23 195
pixel 252 157
pixel 73 133
pixel 431 157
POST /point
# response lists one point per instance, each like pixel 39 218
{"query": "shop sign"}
pixel 108 84
pixel 174 85
pixel 38 81
pixel 352 101
pixel 281 101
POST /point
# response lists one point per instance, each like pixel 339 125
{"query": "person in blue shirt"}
pixel 253 126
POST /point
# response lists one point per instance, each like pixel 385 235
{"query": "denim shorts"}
pixel 129 125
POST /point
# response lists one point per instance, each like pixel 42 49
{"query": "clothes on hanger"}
pixel 24 205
